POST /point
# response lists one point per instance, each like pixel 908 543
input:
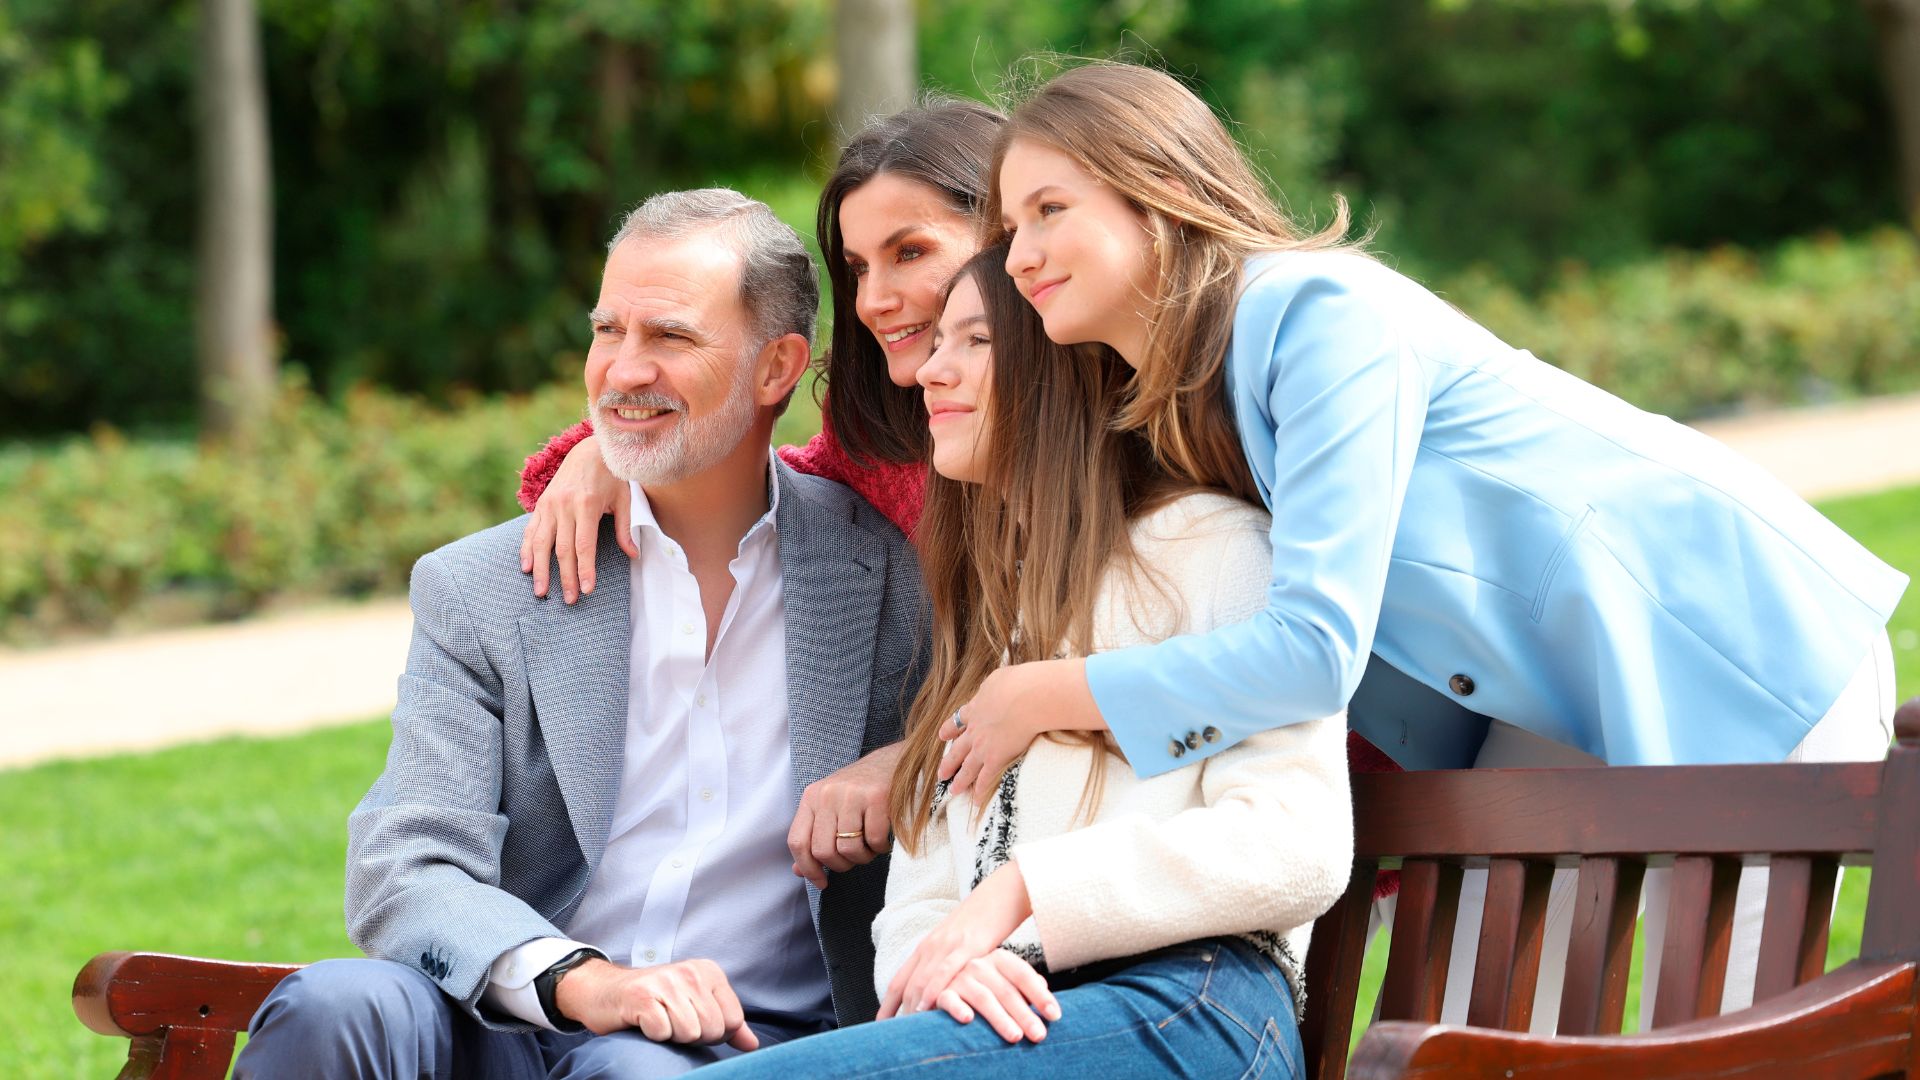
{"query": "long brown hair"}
pixel 1160 147
pixel 945 145
pixel 1013 564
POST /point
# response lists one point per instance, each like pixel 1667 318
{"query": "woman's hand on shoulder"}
pixel 1014 706
pixel 566 522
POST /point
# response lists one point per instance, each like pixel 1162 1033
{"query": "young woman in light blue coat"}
pixel 1485 559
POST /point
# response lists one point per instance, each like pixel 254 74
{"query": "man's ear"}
pixel 782 361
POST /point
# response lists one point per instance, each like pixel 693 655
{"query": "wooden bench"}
pixel 182 1014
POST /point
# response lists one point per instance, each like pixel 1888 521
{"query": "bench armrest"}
pixel 1858 1020
pixel 181 1012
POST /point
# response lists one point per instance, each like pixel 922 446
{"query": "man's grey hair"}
pixel 778 284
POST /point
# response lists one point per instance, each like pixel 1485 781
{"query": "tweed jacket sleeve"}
pixel 921 891
pixel 426 840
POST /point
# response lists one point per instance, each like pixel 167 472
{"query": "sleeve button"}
pixel 1461 684
pixel 1193 740
pixel 1211 733
pixel 1177 748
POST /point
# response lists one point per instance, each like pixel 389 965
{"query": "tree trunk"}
pixel 878 61
pixel 1898 22
pixel 234 312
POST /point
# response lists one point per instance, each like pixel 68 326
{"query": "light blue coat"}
pixel 1508 540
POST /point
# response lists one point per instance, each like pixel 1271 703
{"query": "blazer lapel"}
pixel 833 574
pixel 578 660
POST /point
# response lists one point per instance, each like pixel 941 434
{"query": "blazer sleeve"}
pixel 423 846
pixel 1344 400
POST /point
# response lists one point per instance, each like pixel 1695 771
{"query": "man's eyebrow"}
pixel 602 317
pixel 659 324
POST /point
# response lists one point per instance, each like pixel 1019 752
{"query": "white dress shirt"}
pixel 696 862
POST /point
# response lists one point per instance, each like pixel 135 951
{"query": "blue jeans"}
pixel 367 1019
pixel 1213 1008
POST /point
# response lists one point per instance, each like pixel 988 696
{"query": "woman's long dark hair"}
pixel 946 145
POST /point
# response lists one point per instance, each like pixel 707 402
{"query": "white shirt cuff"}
pixel 510 981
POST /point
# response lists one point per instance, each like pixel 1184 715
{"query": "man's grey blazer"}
pixel 508 739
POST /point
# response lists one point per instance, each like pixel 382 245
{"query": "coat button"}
pixel 1177 748
pixel 1210 733
pixel 1193 740
pixel 1462 684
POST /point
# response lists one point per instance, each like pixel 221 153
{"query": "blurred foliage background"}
pixel 446 171
pixel 1695 203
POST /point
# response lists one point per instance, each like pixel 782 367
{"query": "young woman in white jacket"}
pixel 1080 920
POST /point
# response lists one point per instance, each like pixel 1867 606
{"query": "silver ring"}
pixel 959 722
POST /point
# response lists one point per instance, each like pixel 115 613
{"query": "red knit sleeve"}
pixel 538 472
pixel 897 491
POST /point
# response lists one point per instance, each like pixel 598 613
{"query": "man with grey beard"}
pixel 576 861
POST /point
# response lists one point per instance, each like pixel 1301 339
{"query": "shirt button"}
pixel 649 954
pixel 1177 748
pixel 706 794
pixel 686 628
pixel 701 701
pixel 677 864
pixel 1462 684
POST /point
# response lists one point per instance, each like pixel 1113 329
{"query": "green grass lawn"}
pixel 235 849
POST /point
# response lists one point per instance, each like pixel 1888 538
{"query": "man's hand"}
pixel 1014 706
pixel 686 1002
pixel 566 521
pixel 851 800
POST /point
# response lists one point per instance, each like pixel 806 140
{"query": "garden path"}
pixel 287 673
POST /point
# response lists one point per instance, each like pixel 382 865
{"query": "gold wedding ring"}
pixel 851 835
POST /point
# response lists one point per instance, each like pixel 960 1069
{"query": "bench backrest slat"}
pixel 1423 924
pixel 1512 931
pixel 1601 950
pixel 1793 932
pixel 1699 932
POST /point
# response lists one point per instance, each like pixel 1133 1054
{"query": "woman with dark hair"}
pixel 896 219
pixel 1121 926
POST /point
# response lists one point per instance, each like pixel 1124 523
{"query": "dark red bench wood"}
pixel 182 1014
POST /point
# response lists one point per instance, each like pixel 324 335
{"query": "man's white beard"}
pixel 691 446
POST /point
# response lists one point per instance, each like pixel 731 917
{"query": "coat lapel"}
pixel 578 660
pixel 833 573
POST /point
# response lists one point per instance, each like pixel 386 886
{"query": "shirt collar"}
pixel 642 511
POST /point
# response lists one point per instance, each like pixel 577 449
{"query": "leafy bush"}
pixel 341 498
pixel 1690 334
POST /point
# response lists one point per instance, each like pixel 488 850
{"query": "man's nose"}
pixel 633 368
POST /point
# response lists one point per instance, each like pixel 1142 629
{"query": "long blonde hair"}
pixel 1013 564
pixel 1159 146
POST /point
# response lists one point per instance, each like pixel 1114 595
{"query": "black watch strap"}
pixel 547 984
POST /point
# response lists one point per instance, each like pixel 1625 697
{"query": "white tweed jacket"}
pixel 1256 840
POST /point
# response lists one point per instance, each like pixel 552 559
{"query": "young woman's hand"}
pixel 960 967
pixel 566 521
pixel 1006 991
pixel 1014 706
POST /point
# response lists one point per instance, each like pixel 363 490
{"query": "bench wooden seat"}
pixel 1860 1020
